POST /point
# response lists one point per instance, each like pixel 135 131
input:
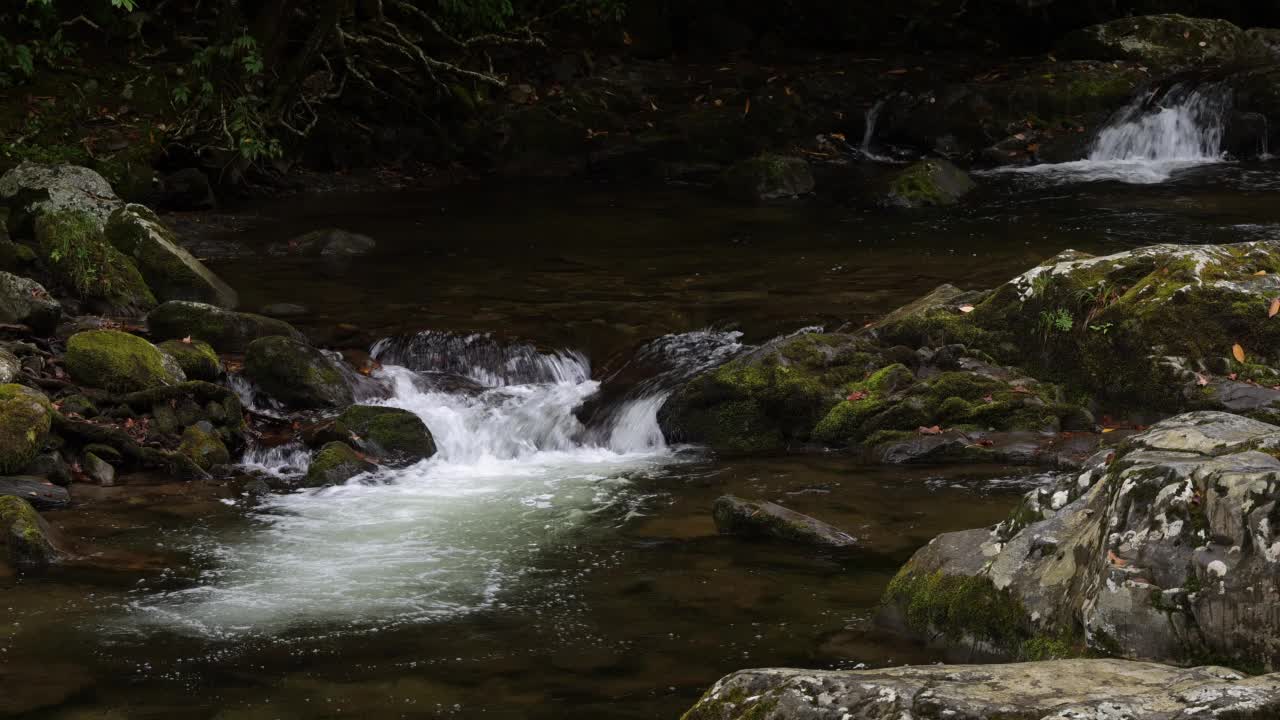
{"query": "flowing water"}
pixel 556 558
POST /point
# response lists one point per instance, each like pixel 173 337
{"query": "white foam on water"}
pixel 516 473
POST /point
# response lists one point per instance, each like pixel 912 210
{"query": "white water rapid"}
pixel 1150 139
pixel 517 472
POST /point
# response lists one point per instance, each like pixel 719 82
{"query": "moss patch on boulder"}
pixel 196 358
pixel 26 535
pixel 225 330
pixel 73 246
pixel 1164 40
pixel 170 271
pixel 117 361
pixel 201 443
pixel 928 183
pixel 25 418
pixel 336 463
pixel 768 177
pixel 296 373
pixel 391 434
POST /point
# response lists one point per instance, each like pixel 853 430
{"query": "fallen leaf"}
pixel 746 110
pixel 857 395
pixel 966 308
pixel 1260 273
pixel 626 38
pixel 985 442
pixel 897 71
pixel 987 399
pixel 842 138
pixel 1275 307
pixel 653 106
pixel 1231 376
pixel 934 430
pixel 1202 379
pixel 1115 559
pixel 1237 352
pixel 187 340
pixel 717 102
pixel 1107 430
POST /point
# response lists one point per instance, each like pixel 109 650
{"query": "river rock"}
pixel 187 189
pixel 1051 690
pixel 26 535
pixel 735 516
pixel 1267 37
pixel 392 435
pixel 201 443
pixel 296 374
pixel 77 253
pixel 196 358
pixel 334 464
pixel 768 177
pixel 225 330
pixel 38 491
pixel 1164 41
pixel 928 183
pixel 52 467
pixel 171 272
pixel 120 362
pixel 26 302
pixel 1134 327
pixel 99 470
pixel 328 242
pixel 31 189
pixel 1165 549
pixel 25 418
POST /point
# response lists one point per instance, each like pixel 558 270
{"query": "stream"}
pixel 557 558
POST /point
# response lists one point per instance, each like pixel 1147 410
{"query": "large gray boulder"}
pixel 1166 549
pixel 171 272
pixel 32 189
pixel 1053 690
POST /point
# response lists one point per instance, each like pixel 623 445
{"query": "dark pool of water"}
pixel 632 615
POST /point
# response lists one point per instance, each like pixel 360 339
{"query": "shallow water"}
pixel 542 566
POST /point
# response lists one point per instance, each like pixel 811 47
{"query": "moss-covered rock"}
pixel 77 253
pixel 25 418
pixel 201 443
pixel 117 361
pixel 392 435
pixel 928 183
pixel 171 272
pixel 1164 41
pixel 24 301
pixel 25 535
pixel 336 463
pixel 225 330
pixel 768 177
pixel 32 189
pixel 735 516
pixel 296 374
pixel 196 358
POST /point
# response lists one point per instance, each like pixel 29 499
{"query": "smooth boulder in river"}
pixel 1052 690
pixel 171 272
pixel 296 374
pixel 735 516
pixel 225 330
pixel 26 535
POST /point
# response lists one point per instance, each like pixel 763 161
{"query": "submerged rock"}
pixel 1164 550
pixel 77 253
pixel 928 183
pixel 392 435
pixel 117 361
pixel 735 516
pixel 26 302
pixel 99 469
pixel 334 464
pixel 225 330
pixel 171 272
pixel 196 358
pixel 32 189
pixel 296 373
pixel 1053 690
pixel 1164 40
pixel 26 535
pixel 329 242
pixel 768 177
pixel 25 418
pixel 42 494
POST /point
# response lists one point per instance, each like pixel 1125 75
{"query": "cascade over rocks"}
pixel 1165 549
pixel 1056 690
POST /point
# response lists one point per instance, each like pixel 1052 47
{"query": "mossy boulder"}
pixel 170 271
pixel 201 443
pixel 225 330
pixel 196 358
pixel 933 182
pixel 77 253
pixel 25 418
pixel 768 177
pixel 296 374
pixel 336 463
pixel 26 535
pixel 1164 41
pixel 117 361
pixel 26 302
pixel 32 189
pixel 392 435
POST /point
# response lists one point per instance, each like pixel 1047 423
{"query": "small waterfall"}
pixel 872 117
pixel 1185 124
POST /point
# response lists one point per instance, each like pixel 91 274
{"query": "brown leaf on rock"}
pixel 933 430
pixel 1275 307
pixel 857 395
pixel 1202 379
pixel 1237 352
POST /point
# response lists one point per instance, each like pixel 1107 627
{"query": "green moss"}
pixel 78 254
pixel 204 447
pixel 845 422
pixel 391 433
pixel 733 703
pixel 1050 647
pixel 116 361
pixel 336 463
pixel 25 418
pixel 225 330
pixel 960 608
pixel 24 532
pixel 296 373
pixel 196 358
